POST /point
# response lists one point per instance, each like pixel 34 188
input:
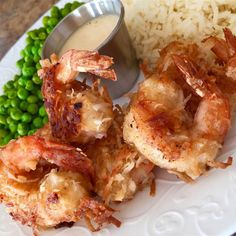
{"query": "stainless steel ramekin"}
pixel 118 44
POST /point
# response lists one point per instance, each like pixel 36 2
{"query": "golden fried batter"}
pixel 120 171
pixel 77 112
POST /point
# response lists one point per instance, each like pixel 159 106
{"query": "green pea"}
pixel 75 5
pixel 3 120
pixel 24 105
pixel 45 20
pixel 9 120
pixel 52 21
pixel 42 35
pixel 7 103
pixel 28 71
pixel 38 122
pixel 34 50
pixel 49 29
pixel 29 60
pixel 3 98
pixel 32 99
pixel 36 58
pixel 29 85
pixel 26 117
pixel 65 11
pixel 16 77
pixel 20 63
pixel 28 49
pixel 9 84
pixel 32 131
pixel 6 139
pixel 32 108
pixel 38 66
pixel 16 85
pixel 15 102
pixel 15 114
pixel 22 129
pixel 37 43
pixel 36 79
pixel 68 5
pixel 42 29
pixel 39 94
pixel 3 133
pixel 11 94
pixel 40 52
pixel 22 52
pixel 13 127
pixel 41 43
pixel 33 34
pixel 29 40
pixel 3 110
pixel 22 94
pixel 9 109
pixel 45 120
pixel 42 111
pixel 28 64
pixel 5 89
pixel 55 12
pixel 22 81
pixel 29 32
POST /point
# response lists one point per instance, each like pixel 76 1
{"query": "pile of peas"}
pixel 22 110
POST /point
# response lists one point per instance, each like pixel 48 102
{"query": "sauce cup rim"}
pixel 86 5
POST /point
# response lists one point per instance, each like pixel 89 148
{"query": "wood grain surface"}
pixel 16 16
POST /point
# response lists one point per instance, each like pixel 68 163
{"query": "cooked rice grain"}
pixel 155 23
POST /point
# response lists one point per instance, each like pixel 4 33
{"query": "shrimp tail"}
pixel 191 74
pixel 218 47
pixel 97 213
pixel 231 41
pixel 225 50
pixel 89 61
pixel 221 165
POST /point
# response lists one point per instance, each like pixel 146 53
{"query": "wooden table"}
pixel 16 17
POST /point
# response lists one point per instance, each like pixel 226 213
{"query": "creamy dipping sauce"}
pixel 90 35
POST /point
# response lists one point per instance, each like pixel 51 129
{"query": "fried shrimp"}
pixel 120 171
pixel 77 112
pixel 158 125
pixel 44 184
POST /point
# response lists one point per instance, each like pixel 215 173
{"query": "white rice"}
pixel 155 23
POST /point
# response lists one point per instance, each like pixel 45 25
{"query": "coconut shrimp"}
pixel 46 184
pixel 120 171
pixel 158 125
pixel 77 112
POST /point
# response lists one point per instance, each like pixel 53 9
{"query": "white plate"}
pixel 207 207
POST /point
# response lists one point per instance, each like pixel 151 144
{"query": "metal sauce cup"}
pixel 117 44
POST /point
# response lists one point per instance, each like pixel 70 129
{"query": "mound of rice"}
pixel 155 23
